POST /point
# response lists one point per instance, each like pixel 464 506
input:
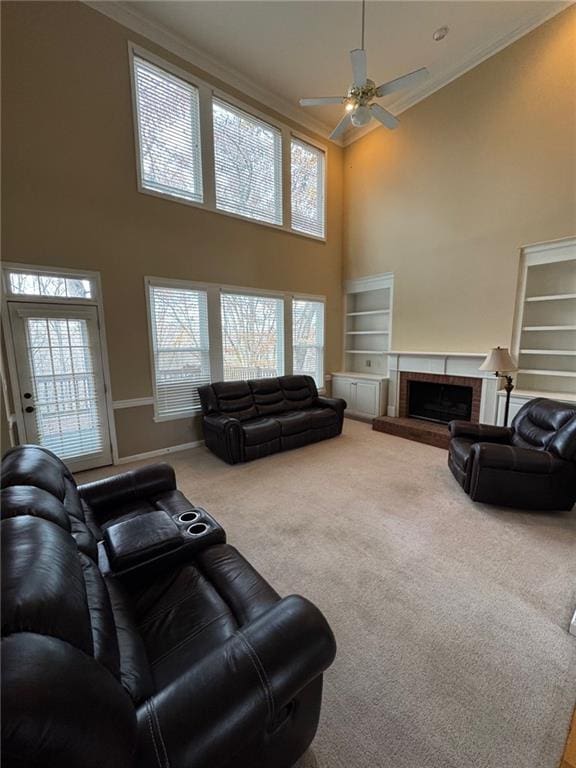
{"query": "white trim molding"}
pixel 447 364
pixel 136 402
pixel 124 14
pixel 159 452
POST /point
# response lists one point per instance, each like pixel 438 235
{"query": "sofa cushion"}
pixel 299 391
pixel 260 430
pixel 293 422
pixel 234 398
pixel 268 396
pixel 460 449
pixel 322 417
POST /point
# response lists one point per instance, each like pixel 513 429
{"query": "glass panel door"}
pixel 61 382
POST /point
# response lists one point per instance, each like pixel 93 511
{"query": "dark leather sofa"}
pixel 530 465
pixel 195 662
pixel 246 420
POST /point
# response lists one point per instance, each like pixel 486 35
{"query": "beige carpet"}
pixel 451 618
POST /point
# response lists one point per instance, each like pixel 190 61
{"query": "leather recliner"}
pixel 199 664
pixel 530 465
pixel 244 420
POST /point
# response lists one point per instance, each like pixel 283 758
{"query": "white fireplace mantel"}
pixel 447 364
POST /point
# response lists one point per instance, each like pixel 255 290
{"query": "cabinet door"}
pixel 343 388
pixel 367 396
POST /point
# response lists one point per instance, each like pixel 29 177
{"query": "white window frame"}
pixel 206 93
pixel 214 292
pixel 95 301
pixel 303 297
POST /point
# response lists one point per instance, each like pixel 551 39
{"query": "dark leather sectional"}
pixel 530 465
pixel 180 656
pixel 245 420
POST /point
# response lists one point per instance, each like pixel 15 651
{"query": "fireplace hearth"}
pixel 439 402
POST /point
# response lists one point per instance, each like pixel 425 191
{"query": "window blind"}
pixel 247 163
pixel 308 339
pixel 181 350
pixel 307 183
pixel 252 336
pixel 168 117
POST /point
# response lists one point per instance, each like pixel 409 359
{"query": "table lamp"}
pixel 499 362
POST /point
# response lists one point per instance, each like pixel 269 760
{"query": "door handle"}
pixel 29 409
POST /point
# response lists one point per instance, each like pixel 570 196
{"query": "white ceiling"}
pixel 287 49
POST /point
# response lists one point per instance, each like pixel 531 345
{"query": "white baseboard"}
pixel 159 452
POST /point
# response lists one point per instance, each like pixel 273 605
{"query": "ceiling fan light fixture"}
pixel 349 106
pixel 361 116
pixel 440 33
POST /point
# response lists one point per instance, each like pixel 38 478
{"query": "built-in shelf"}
pixel 366 333
pixel 368 312
pixel 562 352
pixel 546 305
pixel 555 297
pixel 368 317
pixel 568 397
pixel 549 328
pixel 543 372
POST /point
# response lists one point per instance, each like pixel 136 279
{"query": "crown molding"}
pixel 123 14
pixel 446 76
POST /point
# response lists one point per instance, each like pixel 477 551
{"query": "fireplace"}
pixel 434 401
pixel 439 398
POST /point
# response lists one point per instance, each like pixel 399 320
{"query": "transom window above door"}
pixel 201 147
pixel 27 282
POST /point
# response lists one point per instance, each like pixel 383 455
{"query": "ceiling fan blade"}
pixel 358 59
pixel 342 126
pixel 321 100
pixel 406 81
pixel 385 117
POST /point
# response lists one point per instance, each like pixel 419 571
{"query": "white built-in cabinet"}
pixel 363 382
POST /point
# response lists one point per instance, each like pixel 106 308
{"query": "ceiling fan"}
pixel 358 101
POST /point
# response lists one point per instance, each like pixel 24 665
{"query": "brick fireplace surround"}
pixel 436 378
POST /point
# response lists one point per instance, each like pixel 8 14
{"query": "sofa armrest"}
pixel 139 483
pixel 220 422
pixel 486 433
pixel 513 459
pixel 218 705
pixel 336 403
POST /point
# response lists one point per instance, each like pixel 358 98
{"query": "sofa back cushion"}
pixel 546 425
pixel 61 657
pixel 299 391
pixel 268 396
pixel 231 398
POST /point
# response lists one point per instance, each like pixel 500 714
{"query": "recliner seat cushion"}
pixel 293 422
pixel 260 430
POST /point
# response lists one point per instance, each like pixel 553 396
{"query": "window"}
pixel 308 339
pixel 238 164
pixel 307 173
pixel 252 336
pixel 247 164
pixel 20 283
pixel 168 118
pixel 181 351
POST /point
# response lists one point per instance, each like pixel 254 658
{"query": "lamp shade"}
pixel 498 360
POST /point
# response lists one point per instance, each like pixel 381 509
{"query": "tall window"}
pixel 168 118
pixel 252 336
pixel 181 354
pixel 307 167
pixel 248 164
pixel 308 339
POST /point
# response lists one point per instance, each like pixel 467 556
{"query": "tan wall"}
pixel 480 168
pixel 70 199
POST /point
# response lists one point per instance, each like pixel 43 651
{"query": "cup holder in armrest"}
pixel 197 529
pixel 188 517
